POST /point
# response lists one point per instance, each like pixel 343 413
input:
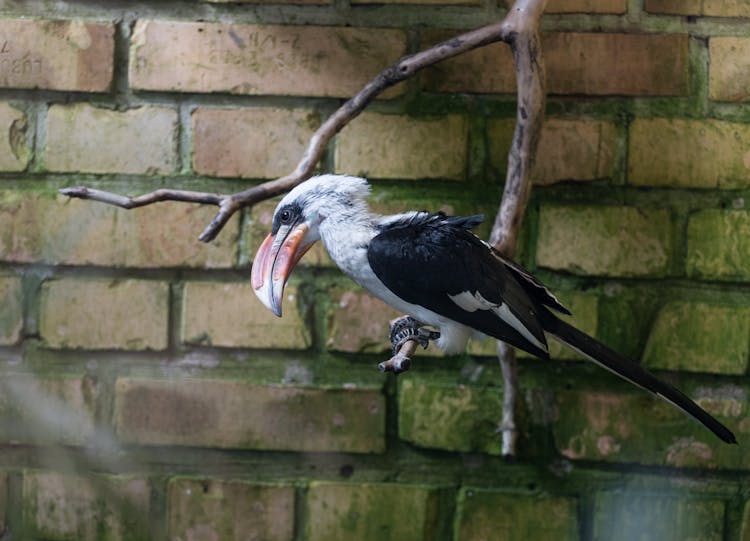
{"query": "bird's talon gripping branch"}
pixel 407 328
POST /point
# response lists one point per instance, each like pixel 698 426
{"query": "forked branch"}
pixel 505 30
pixel 519 28
pixel 530 77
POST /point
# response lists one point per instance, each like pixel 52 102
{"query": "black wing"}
pixel 434 261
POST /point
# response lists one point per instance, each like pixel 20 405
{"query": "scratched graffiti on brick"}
pixel 13 62
pixel 263 51
pixel 259 59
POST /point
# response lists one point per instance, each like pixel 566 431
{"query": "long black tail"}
pixel 631 371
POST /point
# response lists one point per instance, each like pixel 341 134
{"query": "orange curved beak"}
pixel 274 262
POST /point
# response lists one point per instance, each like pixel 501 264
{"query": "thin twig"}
pixel 520 28
pixel 231 203
pixel 524 17
pixel 401 361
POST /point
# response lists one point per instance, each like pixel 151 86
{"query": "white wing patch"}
pixel 471 302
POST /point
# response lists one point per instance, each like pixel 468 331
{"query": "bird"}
pixel 434 269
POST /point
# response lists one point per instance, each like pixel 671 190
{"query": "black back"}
pixel 427 258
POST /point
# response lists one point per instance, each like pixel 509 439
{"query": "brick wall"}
pixel 146 394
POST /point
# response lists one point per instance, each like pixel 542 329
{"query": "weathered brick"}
pixel 421 2
pixel 449 416
pixel 95 507
pixel 230 315
pixel 14 144
pixel 260 59
pixel 243 415
pixel 608 241
pixel 637 427
pixel 358 323
pixel 583 306
pixel 729 70
pixel 718 244
pixel 487 514
pixel 43 228
pixel 56 55
pixel 47 410
pixel 391 146
pixel 251 143
pixel 568 149
pixel 713 8
pixel 215 509
pixel 577 63
pixel 586 6
pixel 267 1
pixel 700 337
pixel 689 153
pixel 82 138
pixel 627 515
pixel 745 533
pixel 104 314
pixel 11 310
pixel 368 512
pixel 681 7
pixel 3 501
pixel 726 8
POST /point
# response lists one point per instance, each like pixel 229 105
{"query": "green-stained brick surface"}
pixel 700 337
pixel 625 516
pixel 104 314
pixel 605 241
pixel 43 228
pixel 370 512
pixel 745 534
pixel 568 149
pixel 15 150
pixel 689 153
pixel 711 8
pixel 232 510
pixel 449 416
pixel 59 506
pixel 3 500
pixel 729 71
pixel 231 414
pixel 486 515
pixel 11 310
pixel 686 7
pixel 47 410
pixel 230 315
pixel 718 245
pixel 639 428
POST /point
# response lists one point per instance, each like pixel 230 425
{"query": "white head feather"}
pixel 335 197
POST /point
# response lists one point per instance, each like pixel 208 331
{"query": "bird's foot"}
pixel 407 328
pixel 404 330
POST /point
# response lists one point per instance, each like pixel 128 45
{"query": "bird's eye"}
pixel 285 216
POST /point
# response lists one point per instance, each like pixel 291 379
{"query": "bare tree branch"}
pixel 524 17
pixel 520 28
pixel 401 361
pixel 231 203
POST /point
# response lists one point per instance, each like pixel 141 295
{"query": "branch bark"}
pixel 230 203
pixel 519 28
pixel 524 17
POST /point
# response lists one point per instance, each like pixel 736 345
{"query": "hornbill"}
pixel 433 268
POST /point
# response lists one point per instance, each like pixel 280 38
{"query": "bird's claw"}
pixel 407 328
